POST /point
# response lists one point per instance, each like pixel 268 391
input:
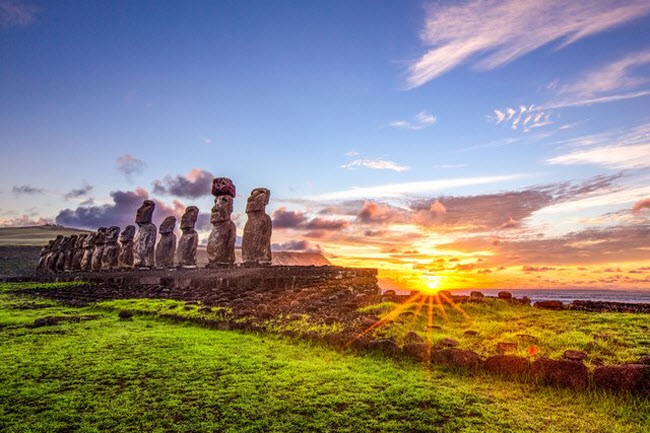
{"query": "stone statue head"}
pixel 222 209
pixel 100 236
pixel 80 241
pixel 112 234
pixel 223 186
pixel 89 240
pixel 258 200
pixel 56 245
pixel 72 242
pixel 168 225
pixel 145 212
pixel 127 234
pixel 189 218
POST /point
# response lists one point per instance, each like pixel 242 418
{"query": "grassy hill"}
pixel 19 246
pixel 34 236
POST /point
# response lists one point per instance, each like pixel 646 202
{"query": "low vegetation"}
pixel 92 371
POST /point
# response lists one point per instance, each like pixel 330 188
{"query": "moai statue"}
pixel 100 238
pixel 53 256
pixel 166 247
pixel 42 256
pixel 221 242
pixel 78 253
pixel 89 248
pixel 69 253
pixel 186 251
pixel 111 249
pixel 63 254
pixel 145 238
pixel 125 260
pixel 256 244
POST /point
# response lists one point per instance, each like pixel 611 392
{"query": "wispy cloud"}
pixel 78 192
pixel 614 76
pixel 26 190
pixel 16 14
pixel 616 149
pixel 420 121
pixel 375 164
pixel 129 165
pixel 615 157
pixel 414 188
pixel 501 31
pixel 524 118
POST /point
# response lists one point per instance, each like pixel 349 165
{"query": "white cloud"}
pixel 611 77
pixel 524 118
pixel 613 196
pixel 615 157
pixel 376 164
pixel 421 120
pixel 413 188
pixel 615 149
pixel 504 30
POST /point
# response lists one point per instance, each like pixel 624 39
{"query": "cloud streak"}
pixel 15 14
pixel 26 190
pixel 413 188
pixel 422 120
pixel 496 32
pixel 375 164
pixel 129 165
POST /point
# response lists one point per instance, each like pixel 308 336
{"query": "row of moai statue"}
pixel 108 249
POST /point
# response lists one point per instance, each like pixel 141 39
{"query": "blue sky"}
pixel 407 100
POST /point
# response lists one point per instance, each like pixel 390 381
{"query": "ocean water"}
pixel 570 295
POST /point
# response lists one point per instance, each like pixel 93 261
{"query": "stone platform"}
pixel 283 288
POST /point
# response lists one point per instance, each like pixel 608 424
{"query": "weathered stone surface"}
pixel 42 257
pixel 385 346
pixel 111 249
pixel 476 296
pixel 507 365
pixel 565 374
pixel 125 258
pixel 628 378
pixel 53 255
pixel 100 238
pixel 166 248
pixel 550 305
pixel 186 251
pixel 503 347
pixel 145 238
pixel 89 248
pixel 504 295
pixel 223 186
pixel 413 337
pixel 68 252
pixel 644 360
pixel 457 357
pixel 574 355
pixel 256 243
pixel 78 254
pixel 221 242
pixel 448 342
pixel 471 333
pixel 418 351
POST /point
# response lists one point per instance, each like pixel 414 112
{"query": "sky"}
pixel 460 144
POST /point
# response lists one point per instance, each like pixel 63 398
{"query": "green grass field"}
pixel 94 372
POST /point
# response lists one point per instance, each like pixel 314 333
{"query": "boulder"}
pixel 564 374
pixel 385 346
pixel 413 337
pixel 507 365
pixel 418 351
pixel 626 378
pixel 574 355
pixel 476 296
pixel 448 342
pixel 460 358
pixel 503 347
pixel 550 305
pixel 644 360
pixel 505 295
pixel 471 333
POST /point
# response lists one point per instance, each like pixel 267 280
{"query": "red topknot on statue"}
pixel 223 186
